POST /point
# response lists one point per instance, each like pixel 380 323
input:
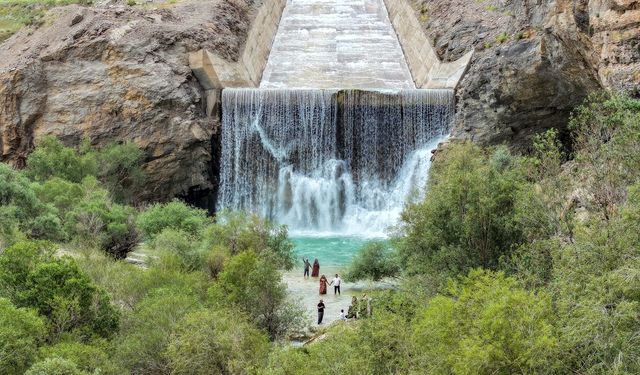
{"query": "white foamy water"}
pixel 329 162
pixel 336 44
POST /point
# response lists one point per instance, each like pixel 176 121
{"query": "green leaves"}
pixel 468 216
pixel 21 331
pixel 486 324
pixel 374 261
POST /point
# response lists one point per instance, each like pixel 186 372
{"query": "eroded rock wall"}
pixel 117 73
pixel 535 60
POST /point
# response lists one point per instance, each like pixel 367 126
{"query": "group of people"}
pixel 356 309
pixel 323 279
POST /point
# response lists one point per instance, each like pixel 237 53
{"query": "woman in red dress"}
pixel 316 268
pixel 323 285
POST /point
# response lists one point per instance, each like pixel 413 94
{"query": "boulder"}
pixel 534 61
pixel 116 73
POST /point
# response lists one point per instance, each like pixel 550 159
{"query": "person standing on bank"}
pixel 320 311
pixel 336 284
pixel 307 266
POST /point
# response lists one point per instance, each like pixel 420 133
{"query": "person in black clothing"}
pixel 307 267
pixel 320 311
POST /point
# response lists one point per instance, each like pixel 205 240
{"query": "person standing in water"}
pixel 307 266
pixel 336 284
pixel 316 268
pixel 320 311
pixel 323 284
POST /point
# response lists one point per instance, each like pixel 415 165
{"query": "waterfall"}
pixel 334 161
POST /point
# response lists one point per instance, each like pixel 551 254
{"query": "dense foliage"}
pixel 510 265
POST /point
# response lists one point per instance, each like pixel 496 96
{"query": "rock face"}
pixel 534 60
pixel 116 73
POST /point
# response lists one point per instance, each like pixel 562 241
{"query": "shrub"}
pixel 55 366
pixel 179 248
pixel 57 289
pixel 52 159
pixel 216 342
pixel 374 261
pixel 173 215
pixel 119 169
pixel 253 284
pixel 20 203
pixel 468 218
pixel 21 331
pixel 89 358
pixel 238 232
pixel 486 324
pixel 142 345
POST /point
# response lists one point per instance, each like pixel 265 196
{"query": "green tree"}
pixel 89 358
pixel 253 284
pixel 179 248
pixel 20 204
pixel 239 231
pixel 52 159
pixel 374 261
pixel 173 215
pixel 142 345
pixel 119 169
pixel 597 293
pixel 486 324
pixel 606 141
pixel 32 277
pixel 55 366
pixel 468 218
pixel 217 342
pixel 21 331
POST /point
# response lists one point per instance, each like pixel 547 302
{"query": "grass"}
pixel 15 14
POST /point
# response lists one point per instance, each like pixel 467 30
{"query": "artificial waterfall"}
pixel 337 138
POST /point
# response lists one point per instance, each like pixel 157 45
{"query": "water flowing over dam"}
pixel 327 160
pixel 337 138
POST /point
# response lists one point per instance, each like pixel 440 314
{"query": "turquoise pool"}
pixel 331 251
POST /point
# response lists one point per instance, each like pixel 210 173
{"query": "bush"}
pixel 239 232
pixel 173 215
pixel 97 220
pixel 88 358
pixel 373 262
pixel 180 249
pixel 253 285
pixel 142 345
pixel 119 169
pixel 486 324
pixel 20 203
pixel 52 159
pixel 21 331
pixel 57 289
pixel 468 218
pixel 55 366
pixel 217 342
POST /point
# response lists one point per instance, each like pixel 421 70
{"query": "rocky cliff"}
pixel 534 60
pixel 115 73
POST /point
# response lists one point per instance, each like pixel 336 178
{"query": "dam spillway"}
pixel 324 44
pixel 337 138
pixel 333 161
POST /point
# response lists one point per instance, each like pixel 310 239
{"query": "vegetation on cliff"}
pixel 511 264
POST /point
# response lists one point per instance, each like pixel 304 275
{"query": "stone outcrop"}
pixel 115 73
pixel 534 60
